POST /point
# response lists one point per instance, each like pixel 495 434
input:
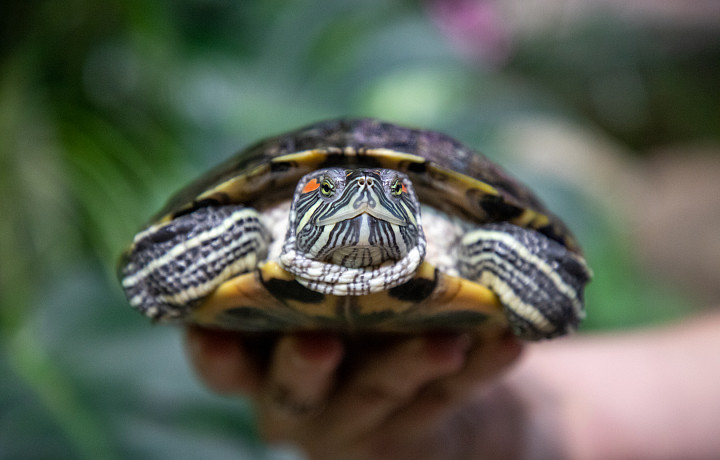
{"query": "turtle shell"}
pixel 445 174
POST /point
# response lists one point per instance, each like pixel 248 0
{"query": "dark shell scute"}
pixel 280 166
pixel 253 318
pixel 219 199
pixel 416 290
pixel 417 168
pixel 450 320
pixel 498 210
pixel 555 232
pixel 360 160
pixel 292 290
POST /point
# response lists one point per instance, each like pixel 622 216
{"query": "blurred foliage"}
pixel 646 89
pixel 107 107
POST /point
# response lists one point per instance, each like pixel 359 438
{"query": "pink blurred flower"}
pixel 475 28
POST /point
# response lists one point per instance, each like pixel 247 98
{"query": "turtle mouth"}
pixel 348 213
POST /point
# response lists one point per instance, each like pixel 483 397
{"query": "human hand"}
pixel 402 398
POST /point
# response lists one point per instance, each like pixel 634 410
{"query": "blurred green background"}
pixel 108 107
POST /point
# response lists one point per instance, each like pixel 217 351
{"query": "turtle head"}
pixel 350 221
pixel 355 217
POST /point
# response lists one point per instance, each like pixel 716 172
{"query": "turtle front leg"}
pixel 172 265
pixel 539 282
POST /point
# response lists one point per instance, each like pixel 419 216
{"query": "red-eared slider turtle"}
pixel 358 225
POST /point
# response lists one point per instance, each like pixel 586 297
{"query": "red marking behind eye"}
pixel 404 189
pixel 311 186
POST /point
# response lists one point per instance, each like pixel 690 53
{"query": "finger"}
pixel 388 382
pixel 493 426
pixel 485 361
pixel 299 381
pixel 437 402
pixel 221 361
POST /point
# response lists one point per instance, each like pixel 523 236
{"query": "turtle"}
pixel 358 225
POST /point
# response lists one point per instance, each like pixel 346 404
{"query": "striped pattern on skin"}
pixel 172 265
pixel 354 231
pixel 538 281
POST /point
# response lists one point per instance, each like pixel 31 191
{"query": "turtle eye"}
pixel 327 188
pixel 397 188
